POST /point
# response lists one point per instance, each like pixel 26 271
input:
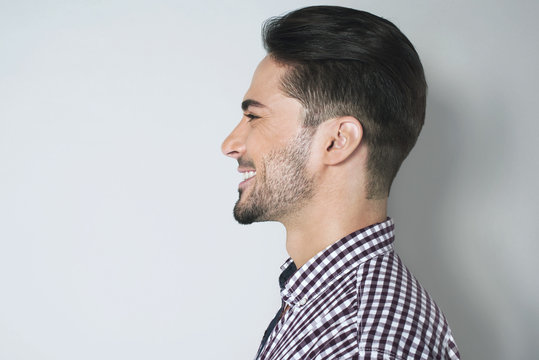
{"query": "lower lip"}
pixel 245 182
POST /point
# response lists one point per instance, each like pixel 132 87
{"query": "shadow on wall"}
pixel 433 202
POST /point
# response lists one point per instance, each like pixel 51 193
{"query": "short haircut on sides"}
pixel 346 62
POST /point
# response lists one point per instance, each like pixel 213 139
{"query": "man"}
pixel 331 113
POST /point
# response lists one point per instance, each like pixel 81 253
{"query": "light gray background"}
pixel 116 234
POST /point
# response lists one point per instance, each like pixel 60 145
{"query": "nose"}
pixel 234 144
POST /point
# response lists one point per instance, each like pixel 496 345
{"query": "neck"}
pixel 314 228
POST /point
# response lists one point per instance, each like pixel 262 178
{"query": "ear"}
pixel 342 137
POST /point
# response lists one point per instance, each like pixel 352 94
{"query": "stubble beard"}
pixel 282 185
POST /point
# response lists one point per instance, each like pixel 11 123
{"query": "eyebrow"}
pixel 249 102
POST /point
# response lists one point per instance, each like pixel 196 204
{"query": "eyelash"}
pixel 251 117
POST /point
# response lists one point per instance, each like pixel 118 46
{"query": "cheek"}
pixel 255 152
pixel 313 164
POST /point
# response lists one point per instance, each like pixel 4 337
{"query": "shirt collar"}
pixel 300 286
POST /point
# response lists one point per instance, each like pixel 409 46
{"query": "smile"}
pixel 248 174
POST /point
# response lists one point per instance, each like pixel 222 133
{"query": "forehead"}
pixel 285 113
pixel 265 84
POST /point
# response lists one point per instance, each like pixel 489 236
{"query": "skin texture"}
pixel 281 184
pixel 313 181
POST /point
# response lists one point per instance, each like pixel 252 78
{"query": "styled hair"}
pixel 346 62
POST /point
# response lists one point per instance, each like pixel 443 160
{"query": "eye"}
pixel 251 117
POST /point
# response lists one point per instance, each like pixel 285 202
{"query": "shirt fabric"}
pixel 356 300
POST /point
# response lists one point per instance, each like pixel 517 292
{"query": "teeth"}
pixel 248 174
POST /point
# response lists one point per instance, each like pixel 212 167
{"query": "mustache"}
pixel 246 163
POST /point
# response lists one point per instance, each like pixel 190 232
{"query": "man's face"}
pixel 272 149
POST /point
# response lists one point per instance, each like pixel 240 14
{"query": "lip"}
pixel 242 185
pixel 242 169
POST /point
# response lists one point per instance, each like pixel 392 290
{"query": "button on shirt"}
pixel 356 300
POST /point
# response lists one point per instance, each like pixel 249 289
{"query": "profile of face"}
pixel 272 149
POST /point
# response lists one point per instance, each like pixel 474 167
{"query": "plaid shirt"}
pixel 356 300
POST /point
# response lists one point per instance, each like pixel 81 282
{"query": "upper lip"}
pixel 243 169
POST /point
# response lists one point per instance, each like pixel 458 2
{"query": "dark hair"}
pixel 346 62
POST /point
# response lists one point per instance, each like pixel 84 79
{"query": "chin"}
pixel 246 214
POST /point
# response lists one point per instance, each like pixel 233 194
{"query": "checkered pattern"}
pixel 357 300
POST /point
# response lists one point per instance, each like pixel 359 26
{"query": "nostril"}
pixel 226 148
pixel 232 148
pixel 234 144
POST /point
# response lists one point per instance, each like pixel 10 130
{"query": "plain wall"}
pixel 116 233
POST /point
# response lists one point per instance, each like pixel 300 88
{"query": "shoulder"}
pixel 397 318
